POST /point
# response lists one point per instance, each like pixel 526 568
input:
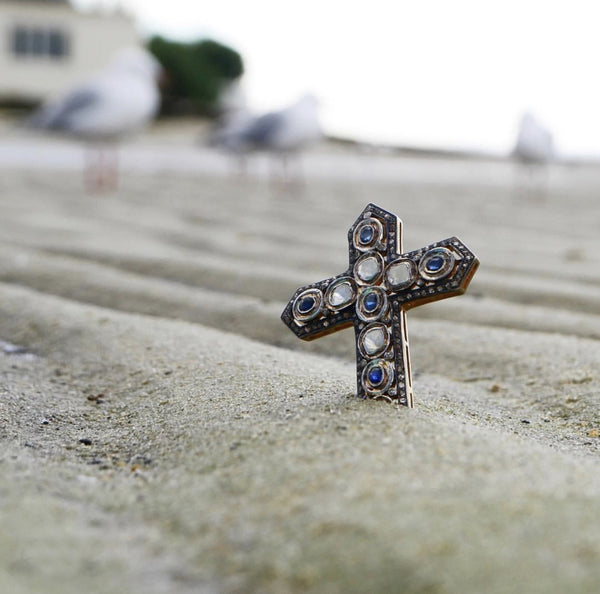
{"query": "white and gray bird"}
pixel 281 133
pixel 534 151
pixel 534 143
pixel 117 102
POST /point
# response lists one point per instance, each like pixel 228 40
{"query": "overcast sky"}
pixel 445 73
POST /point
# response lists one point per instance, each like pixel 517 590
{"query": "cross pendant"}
pixel 373 295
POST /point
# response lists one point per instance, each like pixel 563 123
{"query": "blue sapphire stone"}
pixel 375 376
pixel 366 234
pixel 434 264
pixel 306 304
pixel 371 302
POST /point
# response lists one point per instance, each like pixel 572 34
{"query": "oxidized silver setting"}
pixel 361 240
pixel 369 268
pixel 437 263
pixel 370 295
pixel 386 371
pixel 369 340
pixel 407 279
pixel 302 312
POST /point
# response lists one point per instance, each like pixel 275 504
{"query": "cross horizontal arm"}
pixel 444 269
pixel 321 308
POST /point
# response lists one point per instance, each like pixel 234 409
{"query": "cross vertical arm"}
pixel 393 363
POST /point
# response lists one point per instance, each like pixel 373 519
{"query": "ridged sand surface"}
pixel 161 430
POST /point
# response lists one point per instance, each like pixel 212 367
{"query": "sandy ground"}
pixel 161 431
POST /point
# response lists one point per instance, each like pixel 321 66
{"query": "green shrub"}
pixel 195 73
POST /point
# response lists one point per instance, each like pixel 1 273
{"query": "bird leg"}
pixel 112 168
pixel 101 171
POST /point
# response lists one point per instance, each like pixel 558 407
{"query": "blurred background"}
pixel 459 117
pixel 428 75
pixel 269 120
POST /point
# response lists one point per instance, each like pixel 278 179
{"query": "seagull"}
pixel 534 143
pixel 282 133
pixel 117 102
pixel 234 117
pixel 534 150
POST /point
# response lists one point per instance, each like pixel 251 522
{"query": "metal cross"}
pixel 373 295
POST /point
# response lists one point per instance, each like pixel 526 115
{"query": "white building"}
pixel 47 45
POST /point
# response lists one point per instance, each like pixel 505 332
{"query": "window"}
pixel 19 41
pixel 58 44
pixel 40 42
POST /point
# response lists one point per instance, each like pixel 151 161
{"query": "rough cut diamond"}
pixel 400 274
pixel 341 295
pixel 374 340
pixel 368 269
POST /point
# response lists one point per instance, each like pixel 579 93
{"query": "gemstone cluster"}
pixel 373 295
pixel 372 307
